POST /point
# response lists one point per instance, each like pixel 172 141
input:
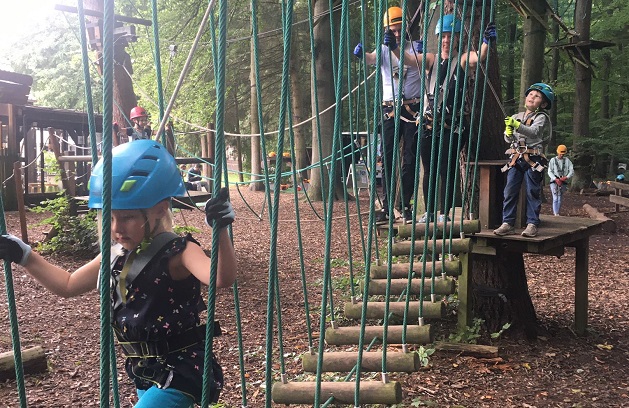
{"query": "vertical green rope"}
pixel 219 69
pixel 105 245
pixel 158 67
pixel 91 122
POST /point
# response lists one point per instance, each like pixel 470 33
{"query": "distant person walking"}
pixel 560 169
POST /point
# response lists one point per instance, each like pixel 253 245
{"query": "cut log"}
pixel 474 350
pixel 371 392
pixel 608 224
pixel 33 360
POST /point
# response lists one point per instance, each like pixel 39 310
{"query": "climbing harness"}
pixel 519 149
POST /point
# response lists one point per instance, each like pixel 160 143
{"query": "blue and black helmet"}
pixel 448 24
pixel 546 90
pixel 143 174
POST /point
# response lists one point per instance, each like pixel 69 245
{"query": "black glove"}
pixel 220 209
pixel 14 249
pixel 490 33
pixel 148 132
pixel 129 131
pixel 390 40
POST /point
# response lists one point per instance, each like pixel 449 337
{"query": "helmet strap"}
pixel 148 233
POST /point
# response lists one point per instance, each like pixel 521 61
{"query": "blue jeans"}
pixel 557 193
pixel 164 398
pixel 522 171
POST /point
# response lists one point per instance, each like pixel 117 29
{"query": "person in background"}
pixel 195 178
pixel 526 132
pixel 560 169
pixel 407 124
pixel 141 127
pixel 156 276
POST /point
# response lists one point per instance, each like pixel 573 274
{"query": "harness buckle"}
pixel 521 149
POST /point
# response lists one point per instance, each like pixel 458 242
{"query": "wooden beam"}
pixel 474 350
pixel 98 14
pixel 33 361
pixel 345 361
pixel 370 392
pixel 400 270
pixel 608 224
pixel 344 336
pixel 375 310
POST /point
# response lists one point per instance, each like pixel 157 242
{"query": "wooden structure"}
pixel 618 198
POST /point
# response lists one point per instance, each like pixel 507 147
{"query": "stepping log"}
pixel 609 225
pixel 344 336
pixel 458 246
pixel 33 361
pixel 345 361
pixel 469 227
pixel 375 310
pixel 400 270
pixel 371 392
pixel 445 286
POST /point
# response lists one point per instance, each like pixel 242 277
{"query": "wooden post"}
pixel 582 256
pixel 19 193
pixel 465 311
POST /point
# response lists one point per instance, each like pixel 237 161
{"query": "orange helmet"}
pixel 138 112
pixel 392 16
pixel 562 149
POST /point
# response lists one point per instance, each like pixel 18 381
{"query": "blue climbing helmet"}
pixel 143 174
pixel 448 24
pixel 546 90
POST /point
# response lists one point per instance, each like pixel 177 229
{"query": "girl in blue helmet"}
pixel 156 276
pixel 526 132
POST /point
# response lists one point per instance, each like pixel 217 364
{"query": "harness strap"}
pixel 136 263
pixel 163 347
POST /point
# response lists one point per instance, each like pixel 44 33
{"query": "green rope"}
pixel 91 122
pixel 158 67
pixel 15 330
pixel 219 51
pixel 105 245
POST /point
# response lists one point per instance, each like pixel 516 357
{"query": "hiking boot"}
pixel 381 217
pixel 505 229
pixel 530 231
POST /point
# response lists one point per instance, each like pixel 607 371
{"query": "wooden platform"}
pixel 555 233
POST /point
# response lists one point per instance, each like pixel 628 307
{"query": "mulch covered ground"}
pixel 558 370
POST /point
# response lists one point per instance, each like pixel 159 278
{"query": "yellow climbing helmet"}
pixel 392 16
pixel 562 149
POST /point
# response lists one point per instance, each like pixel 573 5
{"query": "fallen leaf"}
pixel 526 365
pixel 604 346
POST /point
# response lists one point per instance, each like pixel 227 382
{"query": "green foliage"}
pixel 424 355
pixel 77 235
pixel 502 330
pixel 468 334
pixel 185 229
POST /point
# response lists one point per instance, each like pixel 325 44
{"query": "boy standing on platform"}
pixel 525 132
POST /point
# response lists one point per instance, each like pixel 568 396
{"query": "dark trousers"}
pixel 439 176
pixel 407 134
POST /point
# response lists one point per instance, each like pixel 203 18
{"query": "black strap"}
pixel 139 261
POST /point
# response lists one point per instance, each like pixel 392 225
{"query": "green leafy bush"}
pixel 75 234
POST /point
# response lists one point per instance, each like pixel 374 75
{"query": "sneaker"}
pixel 382 217
pixel 505 229
pixel 407 215
pixel 530 231
pixel 442 218
pixel 422 219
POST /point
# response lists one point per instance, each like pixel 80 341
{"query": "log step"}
pixel 371 392
pixel 400 270
pixel 33 362
pixel 375 310
pixel 443 286
pixel 345 361
pixel 344 336
pixel 458 246
pixel 469 227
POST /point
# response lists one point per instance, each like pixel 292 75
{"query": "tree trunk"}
pixel 300 111
pixel 581 117
pixel 554 71
pixel 324 89
pixel 256 167
pixel 534 35
pixel 124 96
pixel 501 293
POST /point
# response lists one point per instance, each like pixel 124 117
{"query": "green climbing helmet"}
pixel 546 90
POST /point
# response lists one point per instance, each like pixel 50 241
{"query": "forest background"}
pixel 50 52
